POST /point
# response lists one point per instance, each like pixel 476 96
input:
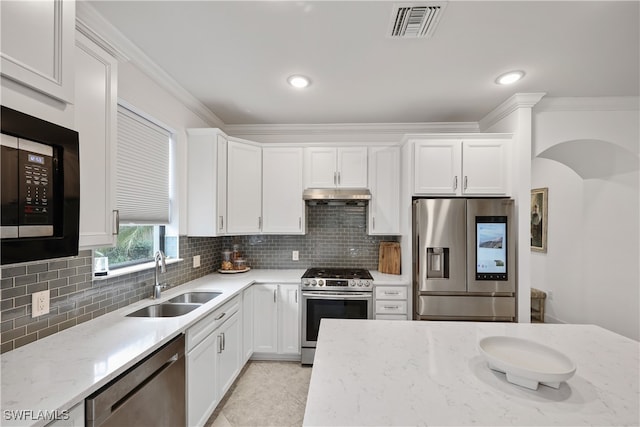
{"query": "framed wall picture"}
pixel 539 219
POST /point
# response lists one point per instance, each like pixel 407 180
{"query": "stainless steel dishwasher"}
pixel 151 393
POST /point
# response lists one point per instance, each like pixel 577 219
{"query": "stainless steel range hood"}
pixel 336 195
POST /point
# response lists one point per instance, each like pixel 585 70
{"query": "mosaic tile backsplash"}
pixel 336 237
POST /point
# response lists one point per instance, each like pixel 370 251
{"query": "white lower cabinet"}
pixel 213 360
pixel 288 320
pixel 247 324
pixel 201 376
pixel 276 322
pixel 265 318
pixel 229 360
pixel 391 303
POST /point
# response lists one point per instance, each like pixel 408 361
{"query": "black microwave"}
pixel 39 188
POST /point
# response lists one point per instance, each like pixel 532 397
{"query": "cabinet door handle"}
pixel 455 182
pixel 219 344
pixel 299 223
pixel 392 293
pixel 465 182
pixel 221 222
pixel 224 342
pixel 116 222
pixel 335 178
pixel 220 317
pixel 374 223
pixel 338 178
pixel 296 297
pixel 259 223
pixel 274 294
pixel 391 307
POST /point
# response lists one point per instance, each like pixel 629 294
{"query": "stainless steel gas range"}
pixel 336 293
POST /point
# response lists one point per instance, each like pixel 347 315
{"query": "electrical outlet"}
pixel 196 261
pixel 39 303
pixel 549 295
pixel 295 256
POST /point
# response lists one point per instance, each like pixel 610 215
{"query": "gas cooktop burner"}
pixel 338 273
pixel 337 278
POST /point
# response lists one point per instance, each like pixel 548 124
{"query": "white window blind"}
pixel 142 182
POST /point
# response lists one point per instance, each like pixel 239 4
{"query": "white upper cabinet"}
pixel 38 45
pixel 455 167
pixel 206 182
pixel 244 188
pixel 328 167
pixel 437 167
pixel 95 116
pixel 282 206
pixel 484 167
pixel 384 182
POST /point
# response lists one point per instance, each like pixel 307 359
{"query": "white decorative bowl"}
pixel 526 363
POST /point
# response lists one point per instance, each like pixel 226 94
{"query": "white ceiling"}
pixel 235 56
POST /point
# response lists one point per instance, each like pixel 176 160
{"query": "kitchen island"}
pixel 432 373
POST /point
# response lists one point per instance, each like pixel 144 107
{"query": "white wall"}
pixel 591 266
pixel 515 116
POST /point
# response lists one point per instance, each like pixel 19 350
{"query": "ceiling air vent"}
pixel 415 20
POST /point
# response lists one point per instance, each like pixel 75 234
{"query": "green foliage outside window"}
pixel 135 245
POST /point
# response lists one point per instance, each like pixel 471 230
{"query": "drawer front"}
pixel 391 317
pixel 391 292
pixel 204 327
pixel 391 307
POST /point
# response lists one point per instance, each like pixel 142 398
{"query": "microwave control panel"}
pixel 27 206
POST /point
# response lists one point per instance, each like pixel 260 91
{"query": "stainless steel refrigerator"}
pixel 464 259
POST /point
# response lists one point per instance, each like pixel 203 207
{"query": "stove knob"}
pixel 313 282
pixel 320 282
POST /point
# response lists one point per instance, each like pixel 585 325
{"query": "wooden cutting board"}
pixel 389 258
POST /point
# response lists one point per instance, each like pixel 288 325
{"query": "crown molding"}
pixel 603 103
pixel 337 131
pixel 518 100
pixel 97 28
pixel 86 30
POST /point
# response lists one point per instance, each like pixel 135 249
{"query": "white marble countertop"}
pixel 59 371
pixel 390 279
pixel 387 373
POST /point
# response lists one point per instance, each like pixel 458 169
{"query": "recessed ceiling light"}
pixel 510 77
pixel 299 81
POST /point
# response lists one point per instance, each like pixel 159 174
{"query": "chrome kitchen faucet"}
pixel 159 259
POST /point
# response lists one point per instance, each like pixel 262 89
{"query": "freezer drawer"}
pixel 441 307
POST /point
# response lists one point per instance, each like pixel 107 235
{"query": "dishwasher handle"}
pixel 107 400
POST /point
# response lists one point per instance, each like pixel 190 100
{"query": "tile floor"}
pixel 265 394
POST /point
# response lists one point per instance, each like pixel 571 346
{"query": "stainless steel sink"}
pixel 164 310
pixel 194 297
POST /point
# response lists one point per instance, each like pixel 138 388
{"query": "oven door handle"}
pixel 333 295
